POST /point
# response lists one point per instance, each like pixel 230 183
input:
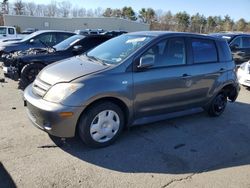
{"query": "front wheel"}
pixel 101 124
pixel 29 73
pixel 218 104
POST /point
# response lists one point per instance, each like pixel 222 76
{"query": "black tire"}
pixel 218 105
pixel 90 116
pixel 29 73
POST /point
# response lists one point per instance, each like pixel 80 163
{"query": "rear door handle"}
pixel 186 76
pixel 221 70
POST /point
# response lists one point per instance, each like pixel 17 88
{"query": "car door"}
pixel 206 69
pixel 164 87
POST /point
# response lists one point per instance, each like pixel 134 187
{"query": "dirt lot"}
pixel 191 151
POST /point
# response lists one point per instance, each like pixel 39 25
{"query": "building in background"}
pixel 72 24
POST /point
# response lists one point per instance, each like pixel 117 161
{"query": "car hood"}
pixel 69 69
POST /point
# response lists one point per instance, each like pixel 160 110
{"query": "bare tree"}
pixel 5 7
pixel 52 9
pixel 82 12
pixel 75 12
pixel 98 12
pixel 30 7
pixel 19 7
pixel 64 8
pixel 90 13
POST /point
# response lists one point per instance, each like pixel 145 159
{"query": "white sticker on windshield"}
pixel 136 40
pixel 226 37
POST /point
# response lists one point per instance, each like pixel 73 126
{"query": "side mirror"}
pixel 77 48
pixel 146 62
pixel 234 46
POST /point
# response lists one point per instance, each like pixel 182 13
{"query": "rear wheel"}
pixel 218 104
pixel 101 124
pixel 29 73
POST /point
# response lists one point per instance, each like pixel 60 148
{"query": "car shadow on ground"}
pixel 5 178
pixel 190 144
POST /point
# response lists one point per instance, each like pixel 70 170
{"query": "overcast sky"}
pixel 234 8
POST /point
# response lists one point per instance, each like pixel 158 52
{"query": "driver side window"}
pixel 48 39
pixel 169 52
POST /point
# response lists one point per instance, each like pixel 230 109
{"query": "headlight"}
pixel 61 91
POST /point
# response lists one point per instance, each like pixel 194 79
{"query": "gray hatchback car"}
pixel 132 79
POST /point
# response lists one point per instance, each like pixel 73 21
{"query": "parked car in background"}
pixel 29 30
pixel 7 32
pixel 243 74
pixel 132 79
pixel 28 66
pixel 89 31
pixel 39 39
pixel 114 33
pixel 239 44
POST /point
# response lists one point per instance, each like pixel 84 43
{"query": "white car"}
pixel 243 74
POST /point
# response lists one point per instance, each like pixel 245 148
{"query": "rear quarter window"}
pixel 204 51
pixel 224 51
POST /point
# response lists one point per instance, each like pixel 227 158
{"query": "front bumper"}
pixel 46 115
pixel 11 72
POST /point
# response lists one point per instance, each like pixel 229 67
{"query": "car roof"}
pixel 172 33
pixel 53 31
pixel 231 34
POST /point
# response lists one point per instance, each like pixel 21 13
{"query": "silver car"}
pixel 132 79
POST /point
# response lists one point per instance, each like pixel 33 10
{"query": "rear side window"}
pixel 204 51
pixel 246 42
pixel 224 51
pixel 11 31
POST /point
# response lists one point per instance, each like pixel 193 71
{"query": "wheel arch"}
pixel 119 102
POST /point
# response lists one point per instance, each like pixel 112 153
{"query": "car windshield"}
pixel 64 45
pixel 28 37
pixel 117 49
pixel 3 31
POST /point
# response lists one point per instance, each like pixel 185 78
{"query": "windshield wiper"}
pixel 97 60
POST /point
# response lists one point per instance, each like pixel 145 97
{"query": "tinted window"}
pixel 92 42
pixel 168 53
pixel 11 31
pixel 237 42
pixel 246 42
pixel 48 39
pixel 204 51
pixel 62 36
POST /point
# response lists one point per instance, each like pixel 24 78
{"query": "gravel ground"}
pixel 190 151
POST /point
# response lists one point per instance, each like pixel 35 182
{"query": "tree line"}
pixel 158 19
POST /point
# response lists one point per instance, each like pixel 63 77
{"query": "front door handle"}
pixel 186 76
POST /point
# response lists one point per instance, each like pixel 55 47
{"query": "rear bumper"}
pixel 46 115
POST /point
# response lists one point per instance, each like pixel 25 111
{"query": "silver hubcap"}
pixel 105 126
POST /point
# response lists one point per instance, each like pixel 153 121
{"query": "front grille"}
pixel 40 87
